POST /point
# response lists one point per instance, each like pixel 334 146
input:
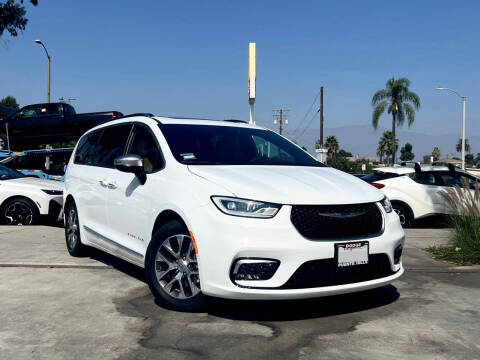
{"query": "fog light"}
pixel 397 254
pixel 253 269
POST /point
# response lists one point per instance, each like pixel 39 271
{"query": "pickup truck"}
pixel 40 124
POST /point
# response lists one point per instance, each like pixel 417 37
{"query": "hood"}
pixel 290 184
pixel 36 183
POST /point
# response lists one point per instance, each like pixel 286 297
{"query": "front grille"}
pixel 325 272
pixel 337 221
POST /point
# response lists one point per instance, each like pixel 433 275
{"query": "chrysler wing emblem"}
pixel 343 215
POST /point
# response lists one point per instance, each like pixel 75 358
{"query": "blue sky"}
pixel 189 58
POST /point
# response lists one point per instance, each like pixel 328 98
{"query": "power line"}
pixel 307 127
pixel 306 114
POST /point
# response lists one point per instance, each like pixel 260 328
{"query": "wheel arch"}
pixel 405 205
pixel 164 217
pixel 18 197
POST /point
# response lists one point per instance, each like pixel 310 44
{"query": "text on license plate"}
pixel 351 254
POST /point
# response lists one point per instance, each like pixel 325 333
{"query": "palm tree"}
pixel 436 153
pixel 459 146
pixel 331 144
pixel 398 100
pixel 385 144
pixel 380 153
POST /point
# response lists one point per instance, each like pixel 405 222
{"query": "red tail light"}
pixel 377 185
pixel 113 116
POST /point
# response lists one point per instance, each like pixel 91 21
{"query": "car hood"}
pixel 35 183
pixel 290 184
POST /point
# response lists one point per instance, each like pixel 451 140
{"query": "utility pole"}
pixel 280 117
pixel 321 116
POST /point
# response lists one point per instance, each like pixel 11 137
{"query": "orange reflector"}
pixel 194 242
pixel 40 206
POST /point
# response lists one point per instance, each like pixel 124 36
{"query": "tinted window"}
pixel 144 145
pixel 86 148
pixel 48 110
pixel 111 145
pixel 69 110
pixel 228 145
pixel 7 174
pixel 423 178
pixel 452 179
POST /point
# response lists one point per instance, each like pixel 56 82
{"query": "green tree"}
pixel 385 145
pixel 12 16
pixel 332 145
pixel 399 101
pixel 436 153
pixel 344 153
pixel 10 101
pixel 459 146
pixel 406 153
pixel 426 159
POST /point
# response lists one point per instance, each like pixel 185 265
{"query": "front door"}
pixel 130 205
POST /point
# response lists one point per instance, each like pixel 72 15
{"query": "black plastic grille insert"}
pixel 325 272
pixel 337 221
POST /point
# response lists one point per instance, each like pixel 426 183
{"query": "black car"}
pixel 41 124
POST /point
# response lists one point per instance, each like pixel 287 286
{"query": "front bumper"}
pixel 223 238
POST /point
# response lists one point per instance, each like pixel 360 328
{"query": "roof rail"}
pixel 136 114
pixel 236 121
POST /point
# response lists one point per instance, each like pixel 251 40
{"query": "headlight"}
pixel 386 205
pixel 246 208
pixel 53 192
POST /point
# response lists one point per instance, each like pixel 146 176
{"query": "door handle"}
pixel 103 183
pixel 112 185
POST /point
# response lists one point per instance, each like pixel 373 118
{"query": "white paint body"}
pixel 31 188
pixel 120 220
pixel 424 200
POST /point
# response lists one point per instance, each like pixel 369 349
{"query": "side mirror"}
pixel 131 164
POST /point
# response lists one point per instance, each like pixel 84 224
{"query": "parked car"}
pixel 226 209
pixel 24 200
pixel 415 192
pixel 38 124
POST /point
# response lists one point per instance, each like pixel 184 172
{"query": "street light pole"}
pixel 464 104
pixel 48 71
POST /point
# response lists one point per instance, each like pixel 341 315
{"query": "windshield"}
pixel 7 173
pixel 228 145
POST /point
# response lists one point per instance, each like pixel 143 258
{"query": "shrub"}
pixel 464 244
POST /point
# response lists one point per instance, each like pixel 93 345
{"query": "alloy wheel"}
pixel 176 267
pixel 72 228
pixel 18 213
pixel 2 144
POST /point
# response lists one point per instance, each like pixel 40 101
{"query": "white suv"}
pixel 415 192
pixel 226 209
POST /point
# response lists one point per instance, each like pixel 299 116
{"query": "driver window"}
pixel 143 144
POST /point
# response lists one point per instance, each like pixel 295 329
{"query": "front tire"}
pixel 72 231
pixel 20 212
pixel 404 215
pixel 171 269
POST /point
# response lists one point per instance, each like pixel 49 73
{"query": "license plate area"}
pixel 351 254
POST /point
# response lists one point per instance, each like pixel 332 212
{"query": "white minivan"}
pixel 226 209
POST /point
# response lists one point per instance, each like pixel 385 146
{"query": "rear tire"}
pixel 171 269
pixel 404 215
pixel 19 212
pixel 72 231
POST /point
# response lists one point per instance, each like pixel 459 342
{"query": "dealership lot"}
pixel 58 307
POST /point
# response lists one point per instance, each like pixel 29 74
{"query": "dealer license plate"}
pixel 351 254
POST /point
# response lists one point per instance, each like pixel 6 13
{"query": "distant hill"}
pixel 363 140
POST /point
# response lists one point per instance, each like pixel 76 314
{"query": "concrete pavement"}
pixel 58 307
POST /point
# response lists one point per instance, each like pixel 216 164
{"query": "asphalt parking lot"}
pixel 54 306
